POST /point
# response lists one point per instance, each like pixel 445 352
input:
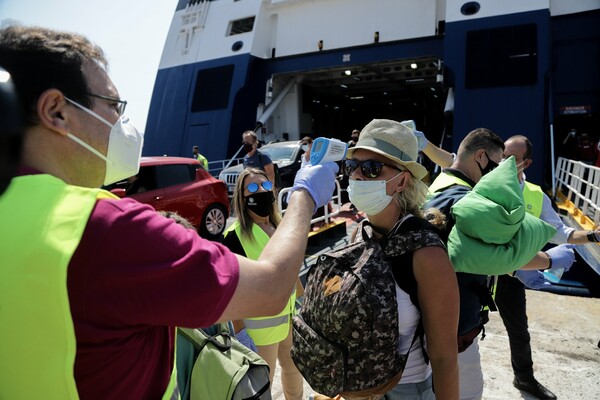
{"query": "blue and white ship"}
pixel 290 68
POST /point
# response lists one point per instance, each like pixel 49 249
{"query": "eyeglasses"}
pixel 118 104
pixel 369 168
pixel 253 187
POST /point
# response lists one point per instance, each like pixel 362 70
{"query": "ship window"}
pixel 502 57
pixel 241 26
pixel 212 88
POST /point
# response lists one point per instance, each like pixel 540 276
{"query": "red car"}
pixel 181 185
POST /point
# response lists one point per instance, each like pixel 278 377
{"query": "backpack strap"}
pixel 411 234
pixel 199 338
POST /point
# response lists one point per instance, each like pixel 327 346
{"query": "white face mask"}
pixel 369 196
pixel 124 147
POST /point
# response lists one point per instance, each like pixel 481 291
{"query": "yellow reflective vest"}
pixel 274 328
pixel 444 180
pixel 43 220
pixel 534 199
pixel 203 161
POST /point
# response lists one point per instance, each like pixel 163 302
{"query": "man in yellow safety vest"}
pixel 91 286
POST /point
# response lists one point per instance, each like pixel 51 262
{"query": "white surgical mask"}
pixel 369 196
pixel 305 147
pixel 124 147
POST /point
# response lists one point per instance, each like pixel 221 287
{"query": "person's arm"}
pixel 270 170
pixel 539 261
pixel 439 299
pixel 439 156
pixel 583 237
pixel 559 257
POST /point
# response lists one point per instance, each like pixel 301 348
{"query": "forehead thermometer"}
pixel 327 150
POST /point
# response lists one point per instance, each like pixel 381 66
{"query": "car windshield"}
pixel 277 153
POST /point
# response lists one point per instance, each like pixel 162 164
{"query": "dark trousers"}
pixel 512 303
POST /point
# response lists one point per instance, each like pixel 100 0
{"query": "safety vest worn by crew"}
pixel 203 161
pixel 43 220
pixel 534 199
pixel 271 329
pixel 445 180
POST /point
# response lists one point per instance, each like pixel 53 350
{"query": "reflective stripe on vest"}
pixel 43 220
pixel 270 329
pixel 443 181
pixel 534 199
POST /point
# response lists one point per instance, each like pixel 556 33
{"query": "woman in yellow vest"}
pixel 257 219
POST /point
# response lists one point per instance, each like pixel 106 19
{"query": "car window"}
pixel 175 174
pixel 145 180
pixel 279 153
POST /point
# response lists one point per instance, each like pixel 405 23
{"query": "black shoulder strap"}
pixel 411 234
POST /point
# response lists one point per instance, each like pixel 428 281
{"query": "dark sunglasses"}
pixel 253 187
pixel 369 168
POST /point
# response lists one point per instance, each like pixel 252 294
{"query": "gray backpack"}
pixel 346 337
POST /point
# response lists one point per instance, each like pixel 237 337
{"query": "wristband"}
pixel 549 260
pixel 591 237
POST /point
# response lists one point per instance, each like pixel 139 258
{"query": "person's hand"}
pixel 318 181
pixel 245 339
pixel 421 139
pixel 533 279
pixel 562 256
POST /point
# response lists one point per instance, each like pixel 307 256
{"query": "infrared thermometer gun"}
pixel 327 150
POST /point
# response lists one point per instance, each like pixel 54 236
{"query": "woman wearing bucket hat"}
pixel 385 183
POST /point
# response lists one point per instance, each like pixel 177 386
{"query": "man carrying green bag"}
pixel 492 236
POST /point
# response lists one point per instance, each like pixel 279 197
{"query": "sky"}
pixel 132 34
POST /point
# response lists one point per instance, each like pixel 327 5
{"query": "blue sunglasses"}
pixel 253 187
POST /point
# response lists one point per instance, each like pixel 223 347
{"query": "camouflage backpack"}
pixel 345 337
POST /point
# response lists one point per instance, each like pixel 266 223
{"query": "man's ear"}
pixel 53 111
pixel 527 163
pixel 480 156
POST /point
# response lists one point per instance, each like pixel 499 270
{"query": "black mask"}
pixel 260 203
pixel 248 147
pixel 491 165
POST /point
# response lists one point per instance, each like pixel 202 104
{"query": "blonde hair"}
pixel 239 205
pixel 412 199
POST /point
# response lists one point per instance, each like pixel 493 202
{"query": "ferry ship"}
pixel 290 68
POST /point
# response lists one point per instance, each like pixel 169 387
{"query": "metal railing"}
pixel 335 203
pixel 215 167
pixel 578 184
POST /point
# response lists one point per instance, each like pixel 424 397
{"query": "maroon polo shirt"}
pixel 134 276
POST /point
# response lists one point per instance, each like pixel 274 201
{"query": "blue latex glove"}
pixel 421 139
pixel 318 181
pixel 245 339
pixel 562 256
pixel 533 279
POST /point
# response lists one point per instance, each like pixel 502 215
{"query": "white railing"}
pixel 335 203
pixel 215 167
pixel 579 184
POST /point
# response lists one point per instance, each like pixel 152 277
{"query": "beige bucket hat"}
pixel 392 140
